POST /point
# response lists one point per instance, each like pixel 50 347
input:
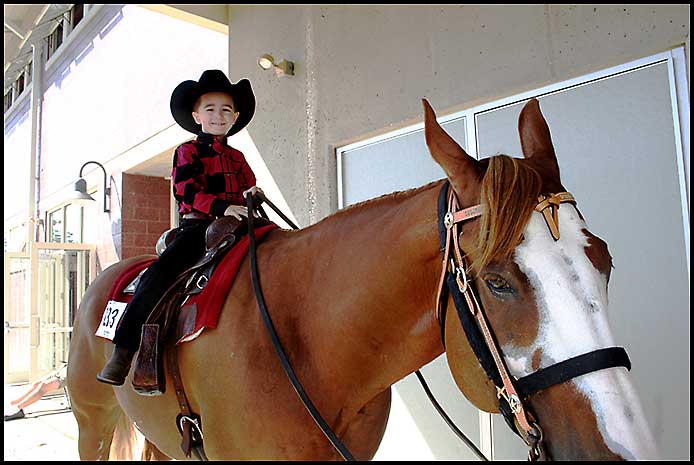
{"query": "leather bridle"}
pixel 512 393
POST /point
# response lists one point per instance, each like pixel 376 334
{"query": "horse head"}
pixel 543 290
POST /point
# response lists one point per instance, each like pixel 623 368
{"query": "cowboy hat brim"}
pixel 187 93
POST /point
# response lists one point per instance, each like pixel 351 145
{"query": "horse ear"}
pixel 462 170
pixel 536 141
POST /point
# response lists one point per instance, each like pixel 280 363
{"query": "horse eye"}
pixel 498 285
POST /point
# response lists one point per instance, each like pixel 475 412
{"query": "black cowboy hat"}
pixel 186 93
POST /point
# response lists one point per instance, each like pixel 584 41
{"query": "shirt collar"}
pixel 209 139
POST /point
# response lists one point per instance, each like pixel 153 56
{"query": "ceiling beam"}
pixel 37 20
pixel 14 28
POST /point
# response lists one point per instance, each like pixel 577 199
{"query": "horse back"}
pixel 237 382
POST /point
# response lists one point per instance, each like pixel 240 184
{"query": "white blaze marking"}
pixel 572 302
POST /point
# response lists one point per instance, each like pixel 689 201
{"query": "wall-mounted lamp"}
pixel 284 68
pixel 80 195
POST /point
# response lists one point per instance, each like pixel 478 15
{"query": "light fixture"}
pixel 266 61
pixel 284 68
pixel 80 196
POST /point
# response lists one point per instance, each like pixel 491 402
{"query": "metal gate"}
pixel 43 289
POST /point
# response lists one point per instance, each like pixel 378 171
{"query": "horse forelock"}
pixel 508 194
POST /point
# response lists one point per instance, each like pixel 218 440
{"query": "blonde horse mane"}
pixel 509 194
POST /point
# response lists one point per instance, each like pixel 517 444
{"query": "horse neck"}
pixel 378 269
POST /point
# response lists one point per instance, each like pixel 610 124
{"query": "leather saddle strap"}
pixel 187 422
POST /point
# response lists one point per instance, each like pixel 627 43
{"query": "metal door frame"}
pixel 35 320
pixel 34 372
pixel 8 256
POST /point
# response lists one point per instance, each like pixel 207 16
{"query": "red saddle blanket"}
pixel 210 300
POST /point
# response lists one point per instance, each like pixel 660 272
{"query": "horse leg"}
pixel 94 404
pixel 96 424
pixel 150 452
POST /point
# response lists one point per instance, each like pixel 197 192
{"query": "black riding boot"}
pixel 117 368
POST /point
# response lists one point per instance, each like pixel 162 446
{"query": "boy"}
pixel 209 180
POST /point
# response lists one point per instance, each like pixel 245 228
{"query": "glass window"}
pixel 15 238
pixel 54 40
pixel 20 84
pixel 67 223
pixel 73 223
pixel 89 223
pixel 7 100
pixel 77 13
pixel 55 226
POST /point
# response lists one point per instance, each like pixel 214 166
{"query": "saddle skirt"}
pixel 200 310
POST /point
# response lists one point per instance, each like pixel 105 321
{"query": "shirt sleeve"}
pixel 247 174
pixel 189 183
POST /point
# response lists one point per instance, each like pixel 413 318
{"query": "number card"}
pixel 109 323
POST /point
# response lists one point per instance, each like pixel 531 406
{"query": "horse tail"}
pixel 124 445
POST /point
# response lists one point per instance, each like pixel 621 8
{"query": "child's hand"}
pixel 252 191
pixel 236 211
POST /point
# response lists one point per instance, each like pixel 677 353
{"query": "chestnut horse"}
pixel 353 300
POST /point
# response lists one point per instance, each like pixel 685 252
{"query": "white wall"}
pixel 107 91
pixel 16 160
pixel 362 70
pixel 112 92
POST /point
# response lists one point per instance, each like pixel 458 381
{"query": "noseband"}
pixel 511 392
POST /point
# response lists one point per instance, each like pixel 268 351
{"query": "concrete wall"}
pixel 361 70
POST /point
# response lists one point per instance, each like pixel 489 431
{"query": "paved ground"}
pixel 47 432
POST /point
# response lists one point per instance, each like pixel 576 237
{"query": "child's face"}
pixel 215 112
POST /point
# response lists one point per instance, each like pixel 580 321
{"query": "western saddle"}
pixel 169 321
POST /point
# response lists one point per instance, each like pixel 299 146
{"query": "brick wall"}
pixel 145 213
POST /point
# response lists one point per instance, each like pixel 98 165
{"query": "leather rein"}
pixel 512 393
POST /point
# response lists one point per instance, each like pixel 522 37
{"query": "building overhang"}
pixel 24 25
pixel 215 17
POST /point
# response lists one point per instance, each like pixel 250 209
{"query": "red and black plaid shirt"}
pixel 209 175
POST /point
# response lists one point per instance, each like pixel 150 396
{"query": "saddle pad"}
pixel 209 302
pixel 126 277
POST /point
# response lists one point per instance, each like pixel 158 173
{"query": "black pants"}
pixel 184 251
